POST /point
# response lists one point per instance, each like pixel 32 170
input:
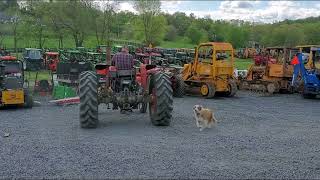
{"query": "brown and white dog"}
pixel 204 117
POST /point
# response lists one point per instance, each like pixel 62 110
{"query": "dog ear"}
pixel 199 108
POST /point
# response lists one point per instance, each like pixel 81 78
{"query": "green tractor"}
pixel 72 63
pixel 94 57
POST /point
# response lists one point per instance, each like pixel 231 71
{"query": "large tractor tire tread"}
pixel 88 100
pixel 164 104
pixel 179 90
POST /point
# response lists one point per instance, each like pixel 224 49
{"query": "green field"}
pixel 90 42
pixel 242 64
pixel 68 42
pixel 178 43
pixel 31 75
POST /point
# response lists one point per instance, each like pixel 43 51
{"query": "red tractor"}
pixel 152 56
pixel 125 90
pixel 51 60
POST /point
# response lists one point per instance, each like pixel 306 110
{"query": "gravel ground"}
pixel 258 137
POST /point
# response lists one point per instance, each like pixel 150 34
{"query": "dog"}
pixel 204 117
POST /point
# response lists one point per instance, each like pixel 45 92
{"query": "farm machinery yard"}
pixel 253 136
pixel 159 89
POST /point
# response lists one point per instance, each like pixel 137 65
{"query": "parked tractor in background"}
pixel 101 49
pixel 13 89
pixel 4 52
pixel 71 64
pixel 116 49
pixel 245 53
pixel 51 60
pixel 95 58
pixel 310 77
pixel 151 56
pixel 271 71
pixel 312 55
pixel 125 90
pixel 211 71
pixel 32 58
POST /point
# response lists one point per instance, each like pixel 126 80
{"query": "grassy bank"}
pixel 89 42
pixel 242 64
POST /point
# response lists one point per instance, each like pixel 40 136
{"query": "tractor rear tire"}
pixel 161 104
pixel 179 89
pixel 232 86
pixel 88 94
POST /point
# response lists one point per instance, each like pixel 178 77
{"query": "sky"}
pixel 254 11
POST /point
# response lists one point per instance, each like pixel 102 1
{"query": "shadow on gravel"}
pixel 10 108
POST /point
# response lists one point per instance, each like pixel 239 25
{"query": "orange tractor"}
pixel 212 70
pixel 271 71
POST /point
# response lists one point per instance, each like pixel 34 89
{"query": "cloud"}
pixel 169 4
pixel 273 11
pixel 127 6
pixel 254 11
pixel 225 5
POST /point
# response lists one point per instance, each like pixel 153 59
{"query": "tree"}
pixel 1 38
pixel 34 20
pixel 196 34
pixel 77 18
pixel 171 35
pixel 53 12
pixel 157 29
pixel 15 20
pixel 181 22
pixel 105 20
pixel 148 11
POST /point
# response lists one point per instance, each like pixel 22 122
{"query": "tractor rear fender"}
pixel 145 71
pixel 102 69
pixel 142 76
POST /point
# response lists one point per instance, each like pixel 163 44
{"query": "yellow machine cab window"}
pixel 205 54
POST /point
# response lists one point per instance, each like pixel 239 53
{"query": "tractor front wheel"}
pixel 161 104
pixel 88 99
pixel 207 90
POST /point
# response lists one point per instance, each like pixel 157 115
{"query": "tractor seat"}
pixel 125 73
